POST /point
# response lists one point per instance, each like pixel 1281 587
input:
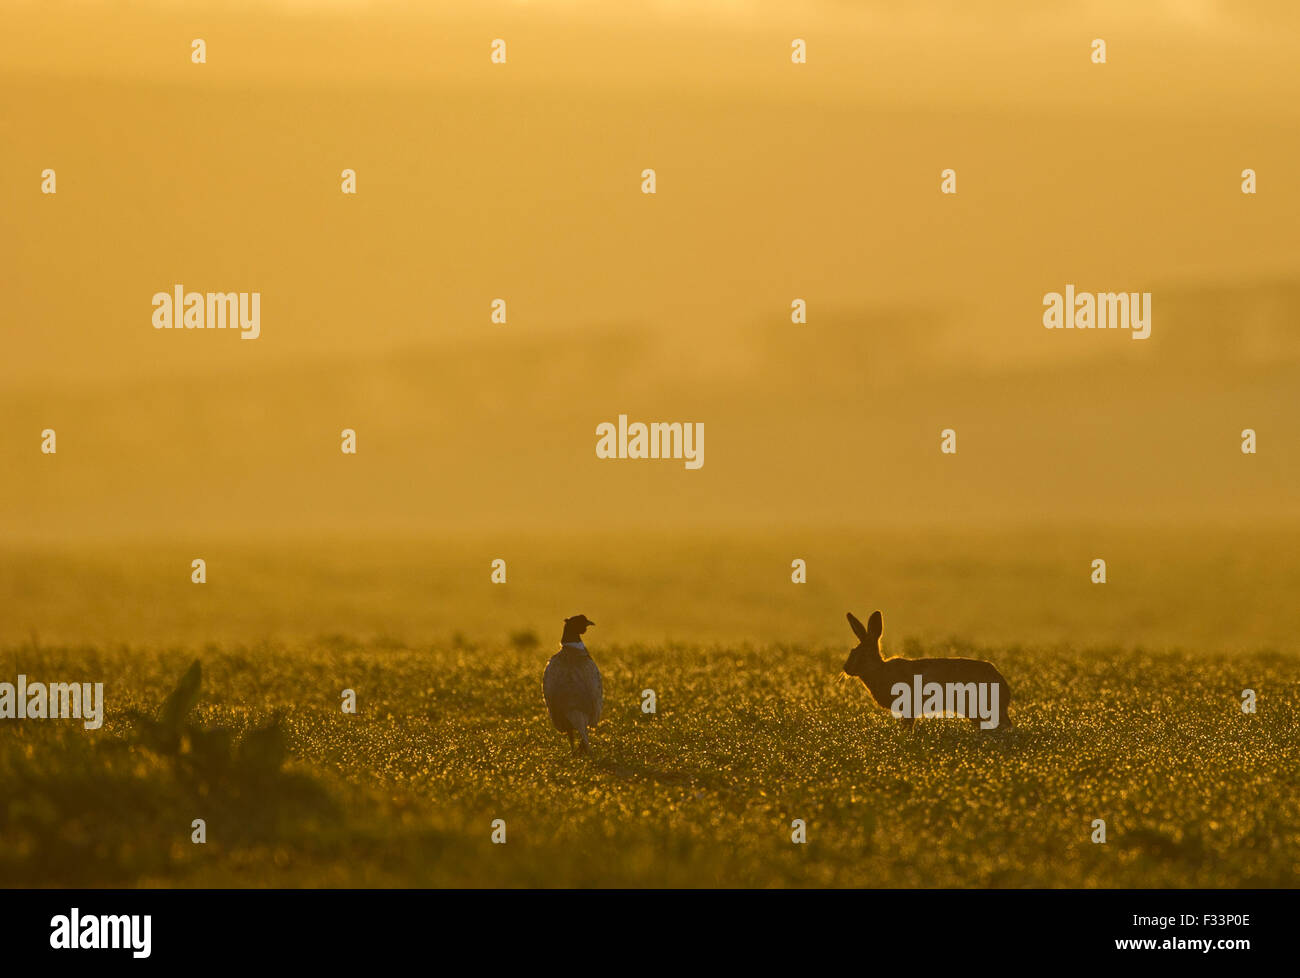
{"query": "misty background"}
pixel 775 181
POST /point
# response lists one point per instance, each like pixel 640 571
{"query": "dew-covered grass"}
pixel 746 739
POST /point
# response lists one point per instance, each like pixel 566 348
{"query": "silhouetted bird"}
pixel 571 684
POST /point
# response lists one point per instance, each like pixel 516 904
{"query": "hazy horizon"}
pixel 775 181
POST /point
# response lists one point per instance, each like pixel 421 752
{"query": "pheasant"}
pixel 571 684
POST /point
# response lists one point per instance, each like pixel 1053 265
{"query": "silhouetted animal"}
pixel 571 684
pixel 962 676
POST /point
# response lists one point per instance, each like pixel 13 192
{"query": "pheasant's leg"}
pixel 570 741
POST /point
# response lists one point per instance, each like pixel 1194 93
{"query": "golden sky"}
pixel 522 180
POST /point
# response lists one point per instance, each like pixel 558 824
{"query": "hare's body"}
pixel 963 685
pixel 884 681
pixel 572 685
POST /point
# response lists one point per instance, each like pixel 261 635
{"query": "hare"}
pixel 910 688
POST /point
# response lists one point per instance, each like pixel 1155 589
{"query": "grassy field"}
pixel 1125 707
pixel 446 739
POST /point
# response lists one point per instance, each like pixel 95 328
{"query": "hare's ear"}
pixel 858 630
pixel 875 627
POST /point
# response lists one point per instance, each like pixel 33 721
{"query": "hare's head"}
pixel 867 652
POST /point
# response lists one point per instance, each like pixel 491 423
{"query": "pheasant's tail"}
pixel 578 721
